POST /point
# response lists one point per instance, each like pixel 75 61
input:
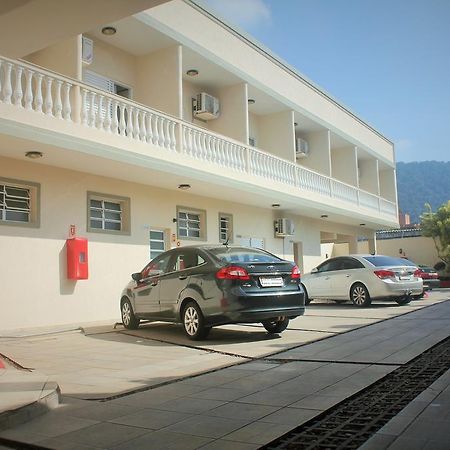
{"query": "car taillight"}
pixel 384 274
pixel 232 273
pixel 295 273
pixel 418 273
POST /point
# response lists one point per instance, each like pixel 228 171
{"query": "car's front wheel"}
pixel 194 322
pixel 359 295
pixel 276 325
pixel 129 320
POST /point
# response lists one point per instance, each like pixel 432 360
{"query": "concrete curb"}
pixel 23 414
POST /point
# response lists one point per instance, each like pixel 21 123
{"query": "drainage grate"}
pixel 352 422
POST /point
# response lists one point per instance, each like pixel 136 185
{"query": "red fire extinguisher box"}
pixel 77 258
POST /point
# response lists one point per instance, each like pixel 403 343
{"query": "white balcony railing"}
pixel 32 88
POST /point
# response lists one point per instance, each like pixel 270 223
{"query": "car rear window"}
pixel 381 261
pixel 243 255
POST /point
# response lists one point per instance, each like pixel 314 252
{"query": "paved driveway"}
pixel 104 362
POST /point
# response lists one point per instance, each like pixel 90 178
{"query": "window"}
pixel 156 267
pixel 19 202
pixel 157 242
pixel 191 223
pixel 243 255
pixel 186 260
pixel 108 213
pixel 225 228
pixel 332 264
pixel 351 263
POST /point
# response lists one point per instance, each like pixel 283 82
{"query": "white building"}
pixel 111 120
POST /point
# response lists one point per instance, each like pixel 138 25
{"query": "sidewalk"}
pixel 250 404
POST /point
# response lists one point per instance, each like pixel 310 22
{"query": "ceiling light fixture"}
pixel 109 31
pixel 184 187
pixel 251 101
pixel 34 155
pixel 192 72
pixel 275 205
pixel 324 216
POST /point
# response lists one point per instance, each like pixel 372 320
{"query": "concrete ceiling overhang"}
pixel 44 22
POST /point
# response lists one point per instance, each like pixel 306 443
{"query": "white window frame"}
pixel 125 215
pixel 201 213
pixel 156 252
pixel 33 202
pixel 228 230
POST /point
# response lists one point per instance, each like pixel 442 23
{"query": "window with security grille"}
pixel 108 214
pixel 157 243
pixel 225 228
pixel 15 203
pixel 191 223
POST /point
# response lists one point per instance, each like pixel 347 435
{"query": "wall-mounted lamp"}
pixel 324 216
pixel 251 101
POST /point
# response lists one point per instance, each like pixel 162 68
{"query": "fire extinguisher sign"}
pixel 72 231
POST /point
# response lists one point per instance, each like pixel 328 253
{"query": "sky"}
pixel 386 60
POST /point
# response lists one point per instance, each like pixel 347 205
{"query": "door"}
pixel 319 283
pixel 176 280
pixel 146 292
pixel 344 277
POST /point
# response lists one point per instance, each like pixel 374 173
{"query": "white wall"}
pixel 388 184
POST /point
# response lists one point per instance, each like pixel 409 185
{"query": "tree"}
pixel 437 226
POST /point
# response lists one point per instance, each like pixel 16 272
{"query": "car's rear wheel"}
pixel 194 322
pixel 359 295
pixel 307 299
pixel 129 320
pixel 276 325
pixel 404 300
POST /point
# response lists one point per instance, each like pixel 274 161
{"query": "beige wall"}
pixel 276 134
pixel 344 165
pixel 319 158
pixel 39 253
pixel 232 121
pixel 158 80
pixel 387 184
pixel 63 57
pixel 420 250
pixel 113 63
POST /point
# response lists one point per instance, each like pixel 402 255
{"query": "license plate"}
pixel 271 281
pixel 404 278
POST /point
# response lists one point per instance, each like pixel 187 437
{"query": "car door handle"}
pixel 348 276
pixel 182 277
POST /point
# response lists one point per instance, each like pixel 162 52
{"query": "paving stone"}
pixel 221 444
pixel 152 419
pixel 104 435
pixel 207 426
pixel 258 432
pixel 190 405
pixel 163 440
pixel 244 411
pixel 292 416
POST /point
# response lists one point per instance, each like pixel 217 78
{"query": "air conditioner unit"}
pixel 206 107
pixel 87 50
pixel 301 148
pixel 284 227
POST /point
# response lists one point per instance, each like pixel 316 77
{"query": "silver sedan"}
pixel 363 278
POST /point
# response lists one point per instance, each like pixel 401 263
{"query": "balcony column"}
pixel 373 244
pixel 352 244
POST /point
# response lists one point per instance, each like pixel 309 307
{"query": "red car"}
pixel 429 276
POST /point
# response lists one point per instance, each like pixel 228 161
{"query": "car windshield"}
pixel 381 261
pixel 243 255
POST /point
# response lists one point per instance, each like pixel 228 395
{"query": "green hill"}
pixel 422 182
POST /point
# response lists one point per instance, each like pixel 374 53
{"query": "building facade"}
pixel 160 126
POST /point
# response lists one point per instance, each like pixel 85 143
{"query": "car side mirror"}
pixel 315 270
pixel 136 276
